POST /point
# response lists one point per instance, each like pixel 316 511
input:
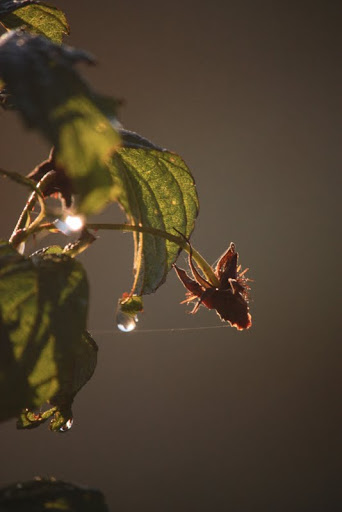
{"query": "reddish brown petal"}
pixel 230 306
pixel 227 266
pixel 233 308
pixel 189 283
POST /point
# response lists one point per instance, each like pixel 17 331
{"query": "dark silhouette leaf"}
pixel 50 494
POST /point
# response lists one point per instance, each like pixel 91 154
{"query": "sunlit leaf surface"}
pixel 45 354
pixel 39 18
pixel 156 189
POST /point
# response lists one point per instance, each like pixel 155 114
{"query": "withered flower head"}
pixel 230 298
pixel 59 184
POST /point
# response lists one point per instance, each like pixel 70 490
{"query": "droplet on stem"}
pixel 67 426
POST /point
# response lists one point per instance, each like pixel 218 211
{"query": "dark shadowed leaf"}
pixel 157 190
pixel 36 17
pixel 50 494
pixel 45 354
pixel 52 98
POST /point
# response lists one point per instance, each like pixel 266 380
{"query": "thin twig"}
pixel 201 262
pixel 36 195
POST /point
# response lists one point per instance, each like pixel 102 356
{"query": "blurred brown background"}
pixel 212 419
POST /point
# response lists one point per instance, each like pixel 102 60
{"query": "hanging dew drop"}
pixel 67 426
pixel 127 312
pixel 125 322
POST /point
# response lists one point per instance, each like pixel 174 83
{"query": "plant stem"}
pixel 198 258
pixel 18 178
pixel 36 195
pixel 31 228
pixel 23 216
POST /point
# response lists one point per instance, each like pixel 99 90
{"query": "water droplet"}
pixel 125 322
pixel 67 426
pixel 69 224
pixel 74 222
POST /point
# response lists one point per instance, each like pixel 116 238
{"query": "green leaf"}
pixel 40 19
pixel 131 305
pixel 53 99
pixel 50 494
pixel 28 419
pixel 85 359
pixel 84 364
pixel 157 190
pixel 45 354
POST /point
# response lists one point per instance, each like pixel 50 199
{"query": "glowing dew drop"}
pixel 74 222
pixel 125 322
pixel 67 426
pixel 70 224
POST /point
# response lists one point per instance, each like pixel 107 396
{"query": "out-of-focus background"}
pixel 185 414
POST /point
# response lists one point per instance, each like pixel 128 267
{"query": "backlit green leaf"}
pixel 45 354
pixel 38 18
pixel 60 415
pixel 156 189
